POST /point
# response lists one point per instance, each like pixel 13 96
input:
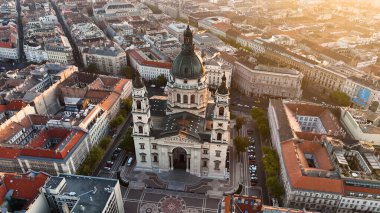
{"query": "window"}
pixel 155 158
pixel 140 129
pixel 139 118
pixel 138 104
pixel 216 164
pixel 154 146
pixel 220 125
pixel 185 99
pixel 192 99
pixel 204 163
pixel 178 98
pixel 221 111
pixel 142 146
pixel 219 136
pixel 143 159
pixel 205 151
pixel 217 153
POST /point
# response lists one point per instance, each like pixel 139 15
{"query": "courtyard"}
pixel 166 201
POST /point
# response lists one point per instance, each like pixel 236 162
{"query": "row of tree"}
pixel 261 119
pixel 271 167
pixel 95 155
pixel 125 107
pixel 127 143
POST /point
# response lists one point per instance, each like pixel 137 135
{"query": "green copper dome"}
pixel 187 64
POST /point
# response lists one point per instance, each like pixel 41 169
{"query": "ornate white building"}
pixel 192 133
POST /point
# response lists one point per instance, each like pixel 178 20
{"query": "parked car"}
pixel 130 161
pixel 109 164
pixel 114 156
pixel 107 169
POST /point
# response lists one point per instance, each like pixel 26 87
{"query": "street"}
pixel 76 53
pixel 260 189
pixel 114 144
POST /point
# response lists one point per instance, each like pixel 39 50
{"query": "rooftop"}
pixel 93 192
pixel 294 152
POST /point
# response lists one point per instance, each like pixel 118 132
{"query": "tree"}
pixel 340 98
pixel 104 142
pixel 161 80
pixel 274 186
pixel 374 106
pixel 257 113
pixel 126 104
pixel 128 72
pixel 92 68
pixel 241 143
pixel 128 144
pixel 116 121
pixel 240 121
pixel 261 119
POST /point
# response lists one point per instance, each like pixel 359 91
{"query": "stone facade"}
pixel 193 132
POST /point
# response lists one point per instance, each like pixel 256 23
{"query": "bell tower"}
pixel 221 119
pixel 140 108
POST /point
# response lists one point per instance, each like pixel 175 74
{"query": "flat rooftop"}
pixel 94 192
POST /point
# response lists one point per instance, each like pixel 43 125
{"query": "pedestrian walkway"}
pixel 178 179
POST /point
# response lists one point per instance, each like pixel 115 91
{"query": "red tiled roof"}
pixel 40 140
pixel 25 186
pixel 3 108
pixel 361 189
pixel 5 44
pixel 97 94
pixel 13 127
pixel 298 180
pixel 3 192
pixel 45 153
pixel 9 152
pixel 107 103
pixel 120 85
pixel 137 57
pixel 16 105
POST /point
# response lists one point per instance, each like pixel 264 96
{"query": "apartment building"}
pixel 260 80
pixel 9 42
pixel 110 58
pixel 43 193
pixel 150 63
pixel 215 71
pixel 314 147
pixel 57 140
pixel 76 193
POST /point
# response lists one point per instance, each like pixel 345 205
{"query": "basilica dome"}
pixel 187 64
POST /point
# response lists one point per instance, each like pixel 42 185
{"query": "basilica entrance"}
pixel 179 158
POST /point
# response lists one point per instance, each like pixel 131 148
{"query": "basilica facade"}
pixel 186 130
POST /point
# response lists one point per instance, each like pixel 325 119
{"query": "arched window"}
pixel 219 136
pixel 192 99
pixel 178 98
pixel 140 129
pixel 185 99
pixel 138 104
pixel 221 111
pixel 155 158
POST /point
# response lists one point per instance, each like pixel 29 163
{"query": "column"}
pixel 170 161
pixel 188 163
